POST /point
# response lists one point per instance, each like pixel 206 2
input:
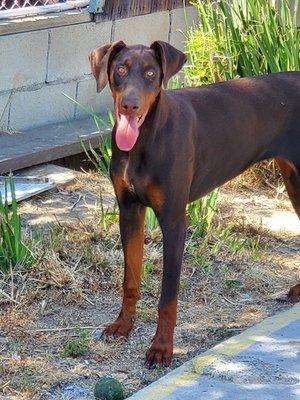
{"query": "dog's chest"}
pixel 135 175
pixel 135 178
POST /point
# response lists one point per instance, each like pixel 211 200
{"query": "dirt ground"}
pixel 235 277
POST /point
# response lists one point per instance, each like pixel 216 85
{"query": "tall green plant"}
pixel 100 158
pixel 13 251
pixel 250 37
pixel 201 212
pixel 151 221
pixel 100 122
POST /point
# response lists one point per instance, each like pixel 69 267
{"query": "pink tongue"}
pixel 127 132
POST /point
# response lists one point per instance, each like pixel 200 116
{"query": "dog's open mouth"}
pixel 128 130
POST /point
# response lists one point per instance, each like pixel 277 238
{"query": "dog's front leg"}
pixel 132 216
pixel 174 232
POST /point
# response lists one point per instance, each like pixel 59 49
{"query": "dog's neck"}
pixel 157 115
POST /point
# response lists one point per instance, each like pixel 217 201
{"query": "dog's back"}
pixel 244 120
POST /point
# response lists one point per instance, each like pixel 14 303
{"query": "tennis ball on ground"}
pixel 108 388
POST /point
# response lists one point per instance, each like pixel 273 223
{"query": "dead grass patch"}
pixel 228 283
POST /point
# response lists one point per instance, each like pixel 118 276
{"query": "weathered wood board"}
pixel 47 143
pixel 24 188
pixel 32 181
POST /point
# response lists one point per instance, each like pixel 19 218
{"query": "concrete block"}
pixel 143 29
pixel 88 96
pixel 182 19
pixel 4 110
pixel 70 47
pixel 42 106
pixel 23 59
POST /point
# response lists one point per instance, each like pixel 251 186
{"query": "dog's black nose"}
pixel 129 105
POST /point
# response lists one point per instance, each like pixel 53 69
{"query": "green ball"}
pixel 108 388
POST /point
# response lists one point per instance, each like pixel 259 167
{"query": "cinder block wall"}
pixel 37 67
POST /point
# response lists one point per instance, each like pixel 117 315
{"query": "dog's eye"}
pixel 122 71
pixel 150 74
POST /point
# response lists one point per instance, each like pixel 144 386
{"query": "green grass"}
pixel 107 215
pixel 233 243
pixel 223 241
pixel 13 250
pixel 77 347
pixel 240 38
pixel 201 212
pixel 151 221
pixel 100 158
pixel 201 50
pixel 147 271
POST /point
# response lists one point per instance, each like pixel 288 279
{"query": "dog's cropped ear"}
pixel 171 59
pixel 100 59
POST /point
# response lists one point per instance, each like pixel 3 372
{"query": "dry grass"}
pixel 260 175
pixel 77 284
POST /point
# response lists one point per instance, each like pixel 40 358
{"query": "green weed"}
pixel 100 158
pixel 151 221
pixel 232 283
pixel 107 215
pixel 77 347
pixel 147 270
pixel 99 121
pixel 201 212
pixel 227 240
pixel 13 250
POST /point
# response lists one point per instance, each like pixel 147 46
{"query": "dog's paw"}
pixel 159 354
pixel 121 328
pixel 294 293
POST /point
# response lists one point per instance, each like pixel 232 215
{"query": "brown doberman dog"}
pixel 170 147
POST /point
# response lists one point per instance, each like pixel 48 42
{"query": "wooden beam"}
pixel 33 23
pixel 37 10
pixel 48 143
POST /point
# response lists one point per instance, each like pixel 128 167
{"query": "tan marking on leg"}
pixel 155 196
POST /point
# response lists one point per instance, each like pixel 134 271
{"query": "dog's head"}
pixel 135 75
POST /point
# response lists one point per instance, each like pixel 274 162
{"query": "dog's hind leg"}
pixel 291 176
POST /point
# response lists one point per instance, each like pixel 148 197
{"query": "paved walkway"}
pixel 262 363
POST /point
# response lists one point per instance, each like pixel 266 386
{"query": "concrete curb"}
pixel 190 374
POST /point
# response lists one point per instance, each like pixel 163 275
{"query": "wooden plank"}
pixel 58 175
pixel 18 25
pixel 22 12
pixel 111 10
pixel 48 143
pixel 24 188
pixel 35 180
